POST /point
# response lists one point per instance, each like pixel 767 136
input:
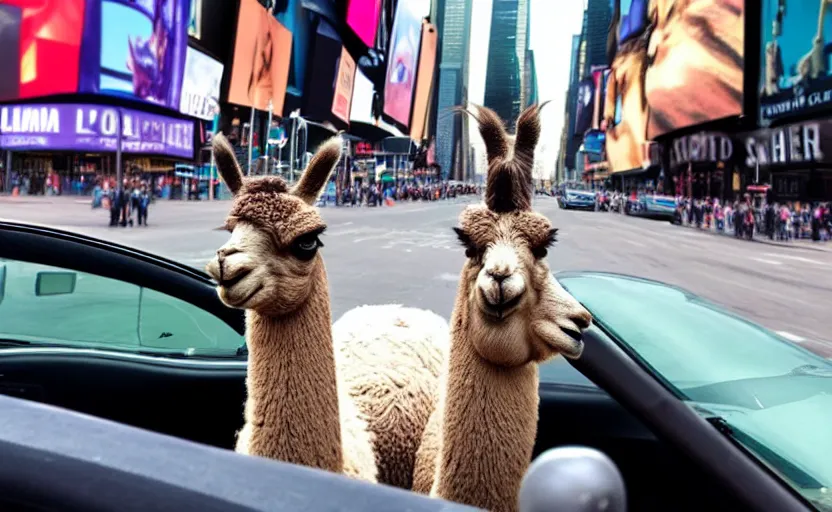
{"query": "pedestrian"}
pixel 144 205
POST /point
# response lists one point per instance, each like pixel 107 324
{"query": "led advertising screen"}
pixel 344 82
pixel 201 85
pixel 362 18
pixel 693 74
pixel 597 97
pixel 292 15
pixel 402 60
pixel 633 18
pixel 262 52
pixel 93 128
pixel 195 19
pixel 41 46
pixel 424 80
pixel 584 111
pixel 135 49
pixel 796 75
pixel 326 53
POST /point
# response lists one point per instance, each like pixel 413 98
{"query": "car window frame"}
pixel 29 243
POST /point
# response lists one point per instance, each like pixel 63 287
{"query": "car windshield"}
pixel 775 398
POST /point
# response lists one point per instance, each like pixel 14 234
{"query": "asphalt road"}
pixel 408 254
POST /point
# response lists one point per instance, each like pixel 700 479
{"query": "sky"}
pixel 553 23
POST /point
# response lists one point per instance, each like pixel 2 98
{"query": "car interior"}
pixel 672 464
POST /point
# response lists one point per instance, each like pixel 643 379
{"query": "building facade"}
pixel 453 73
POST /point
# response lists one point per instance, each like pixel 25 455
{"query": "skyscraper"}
pixel 503 85
pixel 575 67
pixel 453 73
pixel 598 17
pixel 529 80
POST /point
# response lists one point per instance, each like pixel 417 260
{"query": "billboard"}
pixel 424 80
pixel 292 15
pixel 41 47
pixel 344 82
pixel 400 81
pixel 320 90
pixel 362 18
pixel 796 77
pixel 195 19
pixel 633 19
pixel 584 109
pixel 689 71
pixel 135 50
pixel 72 127
pixel 262 52
pixel 599 88
pixel 201 85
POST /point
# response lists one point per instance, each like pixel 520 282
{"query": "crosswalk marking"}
pixel 770 262
pixel 795 258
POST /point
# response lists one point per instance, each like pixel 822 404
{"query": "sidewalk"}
pixel 8 199
pixel 761 239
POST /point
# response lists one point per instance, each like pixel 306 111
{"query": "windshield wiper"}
pixel 11 343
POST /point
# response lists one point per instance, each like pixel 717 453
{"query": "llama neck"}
pixel 292 405
pixel 489 425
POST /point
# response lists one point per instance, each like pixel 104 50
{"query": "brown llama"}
pixel 357 404
pixel 510 314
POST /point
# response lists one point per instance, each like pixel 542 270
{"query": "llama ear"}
pixel 527 135
pixel 492 131
pixel 316 176
pixel 227 165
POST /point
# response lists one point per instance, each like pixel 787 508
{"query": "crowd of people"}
pixel 746 217
pixel 378 194
pixel 131 201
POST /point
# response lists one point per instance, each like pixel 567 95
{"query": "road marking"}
pixel 796 258
pixel 770 262
pixel 632 242
pixel 448 277
pixel 791 337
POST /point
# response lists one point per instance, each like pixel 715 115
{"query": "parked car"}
pixel 700 409
pixel 576 199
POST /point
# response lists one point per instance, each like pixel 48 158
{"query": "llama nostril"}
pixel 499 277
pixel 582 321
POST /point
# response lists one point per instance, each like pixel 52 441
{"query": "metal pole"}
pixel 250 140
pixel 7 182
pixel 119 170
pixel 292 150
pixel 214 127
pixel 268 136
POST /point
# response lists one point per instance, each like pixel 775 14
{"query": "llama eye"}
pixel 471 250
pixel 542 250
pixel 305 247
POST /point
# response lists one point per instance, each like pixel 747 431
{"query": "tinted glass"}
pixel 775 396
pixel 44 305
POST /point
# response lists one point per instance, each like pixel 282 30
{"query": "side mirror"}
pixel 573 479
pixel 55 283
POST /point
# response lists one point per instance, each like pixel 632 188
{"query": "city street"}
pixel 408 254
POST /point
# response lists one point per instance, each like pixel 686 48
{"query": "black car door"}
pixel 120 334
